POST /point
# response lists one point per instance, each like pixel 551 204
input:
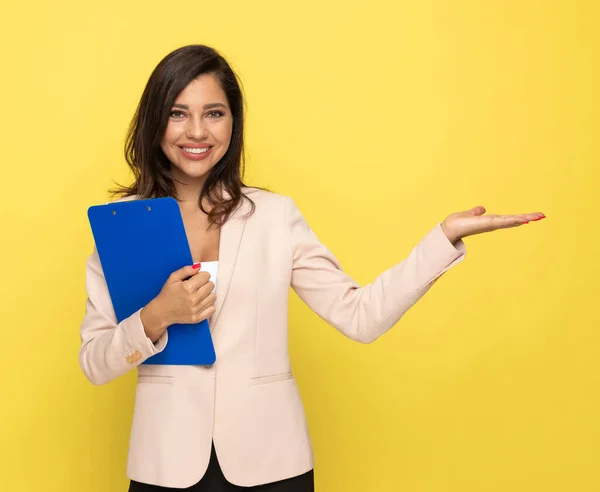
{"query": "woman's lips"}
pixel 195 156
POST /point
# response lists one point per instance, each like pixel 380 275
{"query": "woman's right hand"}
pixel 186 298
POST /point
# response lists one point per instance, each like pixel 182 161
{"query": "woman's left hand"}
pixel 470 222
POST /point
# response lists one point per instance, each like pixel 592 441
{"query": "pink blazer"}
pixel 248 401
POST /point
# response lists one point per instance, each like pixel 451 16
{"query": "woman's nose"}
pixel 196 129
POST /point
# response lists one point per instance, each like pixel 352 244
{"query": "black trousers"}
pixel 214 481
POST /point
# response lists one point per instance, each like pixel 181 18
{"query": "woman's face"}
pixel 199 129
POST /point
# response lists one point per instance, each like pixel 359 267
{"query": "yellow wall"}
pixel 380 118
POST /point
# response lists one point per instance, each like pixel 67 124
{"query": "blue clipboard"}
pixel 140 243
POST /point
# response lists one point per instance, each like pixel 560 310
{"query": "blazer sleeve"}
pixel 109 349
pixel 364 313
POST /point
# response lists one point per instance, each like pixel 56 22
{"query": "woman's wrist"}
pixel 152 320
pixel 452 236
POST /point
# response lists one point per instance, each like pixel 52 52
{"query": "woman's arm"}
pixel 110 349
pixel 364 313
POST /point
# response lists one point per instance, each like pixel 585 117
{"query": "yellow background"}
pixel 379 118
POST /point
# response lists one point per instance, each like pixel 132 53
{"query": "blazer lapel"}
pixel 229 244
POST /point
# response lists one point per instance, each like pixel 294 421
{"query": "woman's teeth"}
pixel 196 151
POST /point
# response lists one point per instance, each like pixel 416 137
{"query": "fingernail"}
pixel 540 218
pixel 195 266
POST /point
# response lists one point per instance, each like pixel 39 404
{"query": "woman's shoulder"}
pixel 121 198
pixel 264 198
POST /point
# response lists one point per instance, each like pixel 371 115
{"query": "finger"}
pixel 479 210
pixel 205 314
pixel 197 281
pixel 535 216
pixel 472 212
pixel 507 221
pixel 202 292
pixel 206 302
pixel 528 217
pixel 185 272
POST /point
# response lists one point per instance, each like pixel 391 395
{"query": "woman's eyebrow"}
pixel 206 106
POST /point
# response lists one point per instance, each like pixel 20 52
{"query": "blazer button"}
pixel 137 355
pixel 130 359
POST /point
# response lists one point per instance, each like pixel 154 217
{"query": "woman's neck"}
pixel 187 190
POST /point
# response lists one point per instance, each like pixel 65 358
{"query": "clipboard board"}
pixel 140 243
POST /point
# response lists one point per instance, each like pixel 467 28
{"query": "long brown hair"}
pixel 150 166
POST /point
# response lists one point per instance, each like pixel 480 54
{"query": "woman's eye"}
pixel 215 114
pixel 176 114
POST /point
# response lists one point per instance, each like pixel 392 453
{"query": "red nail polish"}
pixel 195 266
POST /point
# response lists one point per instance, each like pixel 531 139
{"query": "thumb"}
pixel 476 211
pixel 185 272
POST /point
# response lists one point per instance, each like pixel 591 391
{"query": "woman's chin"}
pixel 190 172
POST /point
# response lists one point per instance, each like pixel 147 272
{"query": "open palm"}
pixel 470 222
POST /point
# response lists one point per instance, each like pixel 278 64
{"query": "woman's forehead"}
pixel 203 90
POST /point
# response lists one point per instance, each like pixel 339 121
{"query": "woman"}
pixel 240 422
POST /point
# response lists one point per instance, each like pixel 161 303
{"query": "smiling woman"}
pixel 193 101
pixel 199 129
pixel 239 423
